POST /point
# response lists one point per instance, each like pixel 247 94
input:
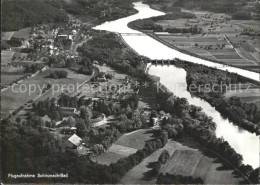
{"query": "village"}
pixel 31 54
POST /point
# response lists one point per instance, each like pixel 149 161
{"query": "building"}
pixel 46 118
pixel 68 111
pixel 75 140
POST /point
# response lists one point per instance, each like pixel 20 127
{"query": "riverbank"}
pixel 202 84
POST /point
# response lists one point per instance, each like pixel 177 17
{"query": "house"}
pixel 46 118
pixel 68 131
pixel 75 140
pixel 68 111
pixel 155 122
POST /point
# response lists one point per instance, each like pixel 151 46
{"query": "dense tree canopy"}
pixel 18 14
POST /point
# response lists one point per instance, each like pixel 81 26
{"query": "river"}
pixel 243 142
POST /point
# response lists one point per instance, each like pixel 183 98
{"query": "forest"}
pixel 18 14
pixel 237 8
pixel 150 23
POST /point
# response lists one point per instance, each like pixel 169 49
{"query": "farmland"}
pixel 126 145
pixel 233 42
pixel 17 96
pixel 6 57
pixel 187 158
pixel 22 33
pixel 6 35
pixel 10 74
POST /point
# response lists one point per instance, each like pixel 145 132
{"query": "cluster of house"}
pixel 46 39
pixel 158 119
pixel 52 39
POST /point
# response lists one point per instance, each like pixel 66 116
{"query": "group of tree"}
pixel 211 85
pixel 102 10
pixel 177 179
pixel 14 42
pixel 33 68
pixel 110 49
pixel 58 74
pixel 150 24
pixel 48 107
pixel 74 102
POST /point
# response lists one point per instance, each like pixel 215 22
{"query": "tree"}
pixel 85 113
pixel 255 177
pixel 71 121
pixel 164 156
pixel 81 129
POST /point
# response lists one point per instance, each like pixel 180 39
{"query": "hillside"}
pixel 17 14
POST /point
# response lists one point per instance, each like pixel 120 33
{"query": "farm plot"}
pixel 22 33
pixel 109 158
pixel 187 158
pixel 181 160
pixel 196 161
pixel 6 57
pixel 114 153
pixel 135 139
pixel 179 23
pixel 126 145
pixel 138 175
pixel 18 94
pixel 6 35
pixel 10 74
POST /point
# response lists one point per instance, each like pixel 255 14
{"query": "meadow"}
pixel 10 74
pixel 15 97
pixel 126 145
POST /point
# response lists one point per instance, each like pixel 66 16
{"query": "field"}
pixel 14 98
pixel 10 74
pixel 220 39
pixel 6 57
pixel 98 89
pixel 126 145
pixel 187 158
pixel 6 35
pixel 22 33
pixel 22 59
pixel 248 96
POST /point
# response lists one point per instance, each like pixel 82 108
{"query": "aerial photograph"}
pixel 130 92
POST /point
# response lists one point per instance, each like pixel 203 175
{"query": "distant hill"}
pixel 17 14
pixel 238 8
